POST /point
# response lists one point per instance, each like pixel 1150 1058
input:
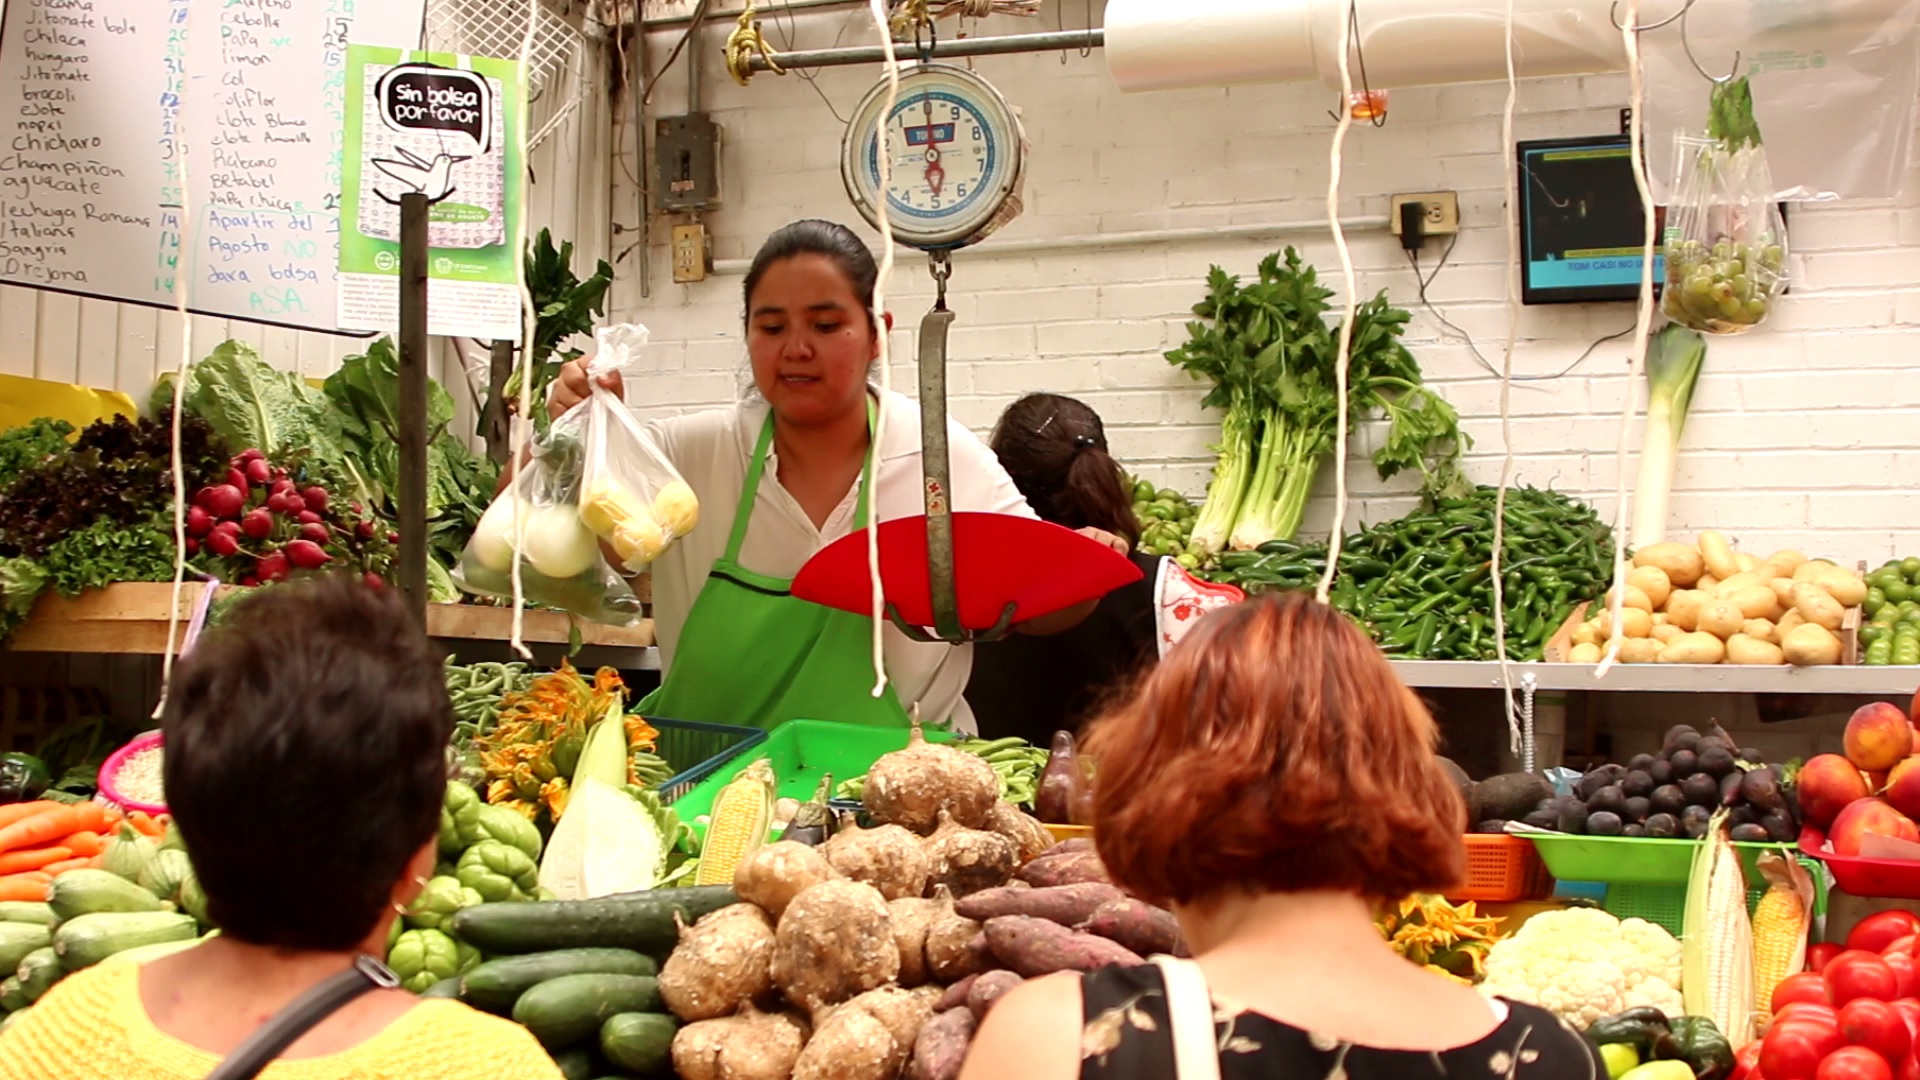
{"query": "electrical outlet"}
pixel 1442 211
pixel 689 253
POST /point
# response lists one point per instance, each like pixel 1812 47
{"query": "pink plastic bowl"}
pixel 108 793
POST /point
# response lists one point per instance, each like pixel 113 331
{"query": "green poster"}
pixel 450 127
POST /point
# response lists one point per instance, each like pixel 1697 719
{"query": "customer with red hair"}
pixel 1273 782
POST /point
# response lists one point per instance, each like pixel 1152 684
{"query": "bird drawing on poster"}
pixel 434 179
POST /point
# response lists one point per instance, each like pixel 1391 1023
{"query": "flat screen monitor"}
pixel 1581 223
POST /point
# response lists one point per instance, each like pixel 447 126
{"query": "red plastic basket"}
pixel 1502 869
pixel 1860 876
pixel 108 771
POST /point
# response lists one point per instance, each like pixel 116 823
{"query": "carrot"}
pixel 17 862
pixel 87 844
pixel 45 827
pixel 56 869
pixel 144 823
pixel 98 862
pixel 30 886
pixel 22 811
pixel 94 817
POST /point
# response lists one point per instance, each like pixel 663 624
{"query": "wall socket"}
pixel 1442 211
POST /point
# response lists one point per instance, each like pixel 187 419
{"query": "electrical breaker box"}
pixel 686 157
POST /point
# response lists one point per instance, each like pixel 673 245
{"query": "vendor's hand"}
pixel 1117 543
pixel 571 387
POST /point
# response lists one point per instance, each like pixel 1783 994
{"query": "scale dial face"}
pixel 957 158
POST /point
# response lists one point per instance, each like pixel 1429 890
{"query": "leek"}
pixel 1673 366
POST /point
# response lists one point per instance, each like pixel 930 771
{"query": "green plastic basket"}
pixel 1664 905
pixel 801 751
pixel 1632 860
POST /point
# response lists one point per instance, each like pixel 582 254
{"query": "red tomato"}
pixel 1905 972
pixel 1882 928
pixel 1746 1063
pixel 1810 1010
pixel 1793 1049
pixel 1878 1026
pixel 1854 1063
pixel 1805 986
pixel 1910 1011
pixel 1900 945
pixel 1909 1069
pixel 1819 954
pixel 1858 974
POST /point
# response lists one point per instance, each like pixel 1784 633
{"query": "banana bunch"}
pixel 1018 763
pixel 638 530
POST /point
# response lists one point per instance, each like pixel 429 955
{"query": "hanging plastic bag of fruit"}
pixel 1726 243
pixel 544 515
pixel 631 496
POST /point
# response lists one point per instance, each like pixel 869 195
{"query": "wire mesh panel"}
pixel 497 28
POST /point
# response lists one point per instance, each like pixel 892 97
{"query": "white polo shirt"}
pixel 712 450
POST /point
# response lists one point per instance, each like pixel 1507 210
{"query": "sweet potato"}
pixel 1075 846
pixel 1035 947
pixel 988 989
pixel 1068 905
pixel 772 876
pixel 955 996
pixel 835 941
pixel 1138 925
pixel 1072 868
pixel 721 962
pixel 941 1047
pixel 911 917
pixel 750 1046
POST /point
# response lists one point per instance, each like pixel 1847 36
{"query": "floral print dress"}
pixel 1128 1037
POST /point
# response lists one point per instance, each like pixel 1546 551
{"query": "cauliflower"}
pixel 1583 964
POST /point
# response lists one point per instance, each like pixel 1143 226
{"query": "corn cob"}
pixel 741 818
pixel 1717 938
pixel 1780 926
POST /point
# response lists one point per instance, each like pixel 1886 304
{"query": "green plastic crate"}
pixel 1631 860
pixel 801 751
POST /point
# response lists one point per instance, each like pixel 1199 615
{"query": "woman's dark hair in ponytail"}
pixel 1055 448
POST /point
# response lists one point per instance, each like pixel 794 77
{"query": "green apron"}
pixel 753 655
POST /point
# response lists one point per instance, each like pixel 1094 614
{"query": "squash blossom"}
pixel 536 743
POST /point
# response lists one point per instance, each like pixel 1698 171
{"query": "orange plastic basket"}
pixel 1502 868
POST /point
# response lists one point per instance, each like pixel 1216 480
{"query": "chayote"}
pixel 424 957
pixel 498 872
pixel 508 827
pixel 459 820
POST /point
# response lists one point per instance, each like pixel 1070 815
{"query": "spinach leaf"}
pixel 252 405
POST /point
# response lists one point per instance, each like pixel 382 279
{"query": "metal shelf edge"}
pixel 1666 678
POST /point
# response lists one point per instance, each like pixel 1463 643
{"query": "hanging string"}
pixel 1642 328
pixel 1350 294
pixel 523 422
pixel 182 274
pixel 1519 740
pixel 878 8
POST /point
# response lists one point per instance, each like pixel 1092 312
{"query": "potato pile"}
pixel 1708 604
pixel 876 955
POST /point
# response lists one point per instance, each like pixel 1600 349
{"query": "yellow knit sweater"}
pixel 91 1026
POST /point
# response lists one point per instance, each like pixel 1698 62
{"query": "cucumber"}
pixel 28 912
pixel 571 1008
pixel 12 997
pixel 577 1064
pixel 89 892
pixel 639 1043
pixel 38 971
pixel 445 988
pixel 641 921
pixel 497 984
pixel 88 939
pixel 19 939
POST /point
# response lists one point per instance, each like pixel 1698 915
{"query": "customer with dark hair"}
pixel 1055 449
pixel 1273 782
pixel 781 476
pixel 305 766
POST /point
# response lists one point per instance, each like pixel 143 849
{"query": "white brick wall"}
pixel 1805 433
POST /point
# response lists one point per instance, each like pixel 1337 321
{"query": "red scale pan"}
pixel 1006 569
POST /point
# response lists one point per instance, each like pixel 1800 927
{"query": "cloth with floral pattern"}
pixel 1128 1037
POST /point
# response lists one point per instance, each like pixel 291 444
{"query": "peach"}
pixel 1913 710
pixel 1878 737
pixel 1828 783
pixel 1870 816
pixel 1903 787
pixel 1916 740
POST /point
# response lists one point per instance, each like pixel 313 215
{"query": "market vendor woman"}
pixel 783 474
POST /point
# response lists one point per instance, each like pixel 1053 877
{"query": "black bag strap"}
pixel 299 1017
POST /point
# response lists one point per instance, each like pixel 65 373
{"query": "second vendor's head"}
pixel 812 332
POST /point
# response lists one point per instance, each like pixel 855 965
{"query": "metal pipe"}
pixel 642 178
pixel 1144 238
pixel 785 6
pixel 693 62
pixel 413 401
pixel 1051 41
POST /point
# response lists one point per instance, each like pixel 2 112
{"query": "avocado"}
pixel 1599 778
pixel 1491 828
pixel 1511 796
pixel 1663 826
pixel 1637 782
pixel 1542 819
pixel 1604 823
pixel 1701 790
pixel 1661 771
pixel 1610 799
pixel 1668 799
pixel 1750 755
pixel 1680 737
pixel 1717 761
pixel 1633 830
pixel 1779 829
pixel 1573 815
pixel 1694 820
pixel 1751 834
pixel 1638 808
pixel 1640 762
pixel 1685 763
pixel 1464 784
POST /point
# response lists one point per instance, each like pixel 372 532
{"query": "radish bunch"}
pixel 265 522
